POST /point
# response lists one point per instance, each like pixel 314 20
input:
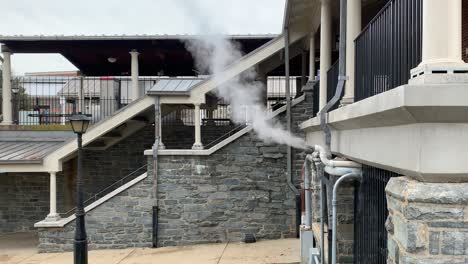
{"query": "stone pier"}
pixel 427 222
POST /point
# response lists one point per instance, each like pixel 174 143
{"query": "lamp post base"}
pixel 81 252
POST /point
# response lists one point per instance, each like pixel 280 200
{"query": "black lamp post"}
pixel 79 124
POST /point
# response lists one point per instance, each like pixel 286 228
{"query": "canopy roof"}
pixel 159 54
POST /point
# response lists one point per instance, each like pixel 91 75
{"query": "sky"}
pixel 109 17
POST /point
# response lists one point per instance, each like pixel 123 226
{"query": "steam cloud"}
pixel 213 52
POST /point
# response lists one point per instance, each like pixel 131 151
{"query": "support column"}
pixel 135 75
pixel 159 118
pixel 441 41
pixel 312 57
pixel 353 28
pixel 53 216
pixel 325 49
pixel 7 107
pixel 198 144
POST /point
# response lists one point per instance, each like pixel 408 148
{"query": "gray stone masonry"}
pixel 24 200
pixel 126 220
pixel 240 189
pixel 427 222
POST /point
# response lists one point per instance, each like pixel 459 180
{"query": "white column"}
pixel 53 216
pixel 198 144
pixel 442 37
pixel 135 75
pixel 312 57
pixel 161 144
pixel 353 28
pixel 325 50
pixel 7 107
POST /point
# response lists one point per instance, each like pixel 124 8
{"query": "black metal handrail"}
pixel 388 48
pixel 108 189
pixel 332 82
pixel 316 98
pixel 224 136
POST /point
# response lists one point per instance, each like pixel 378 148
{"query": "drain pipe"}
pixel 157 139
pixel 341 75
pixel 351 176
pixel 288 116
pixel 310 172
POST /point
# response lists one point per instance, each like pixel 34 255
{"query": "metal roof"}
pixel 174 86
pixel 26 151
pixel 125 37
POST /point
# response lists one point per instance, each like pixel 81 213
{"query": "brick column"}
pixel 427 222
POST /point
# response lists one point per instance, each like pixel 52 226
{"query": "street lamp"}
pixel 79 124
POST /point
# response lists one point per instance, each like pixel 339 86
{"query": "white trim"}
pixel 92 206
pixel 207 152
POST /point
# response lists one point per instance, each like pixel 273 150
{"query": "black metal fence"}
pixel 51 100
pixel 316 98
pixel 388 48
pixel 332 82
pixel 370 214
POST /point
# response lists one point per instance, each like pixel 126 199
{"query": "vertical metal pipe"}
pixel 157 138
pixel 352 175
pixel 288 118
pixel 81 243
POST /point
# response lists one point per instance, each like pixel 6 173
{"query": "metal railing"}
pixel 109 189
pixel 316 98
pixel 370 214
pixel 51 100
pixel 388 48
pixel 332 82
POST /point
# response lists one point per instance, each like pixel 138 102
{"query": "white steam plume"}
pixel 213 53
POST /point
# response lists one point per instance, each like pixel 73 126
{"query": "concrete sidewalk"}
pixel 273 251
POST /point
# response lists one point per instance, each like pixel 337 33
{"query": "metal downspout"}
pixel 339 90
pixel 288 117
pixel 341 75
pixel 155 148
pixel 352 175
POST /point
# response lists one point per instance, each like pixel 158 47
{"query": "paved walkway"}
pixel 285 251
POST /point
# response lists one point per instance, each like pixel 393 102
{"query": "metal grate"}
pixel 388 48
pixel 370 235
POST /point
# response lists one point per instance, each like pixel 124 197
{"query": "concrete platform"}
pixel 20 249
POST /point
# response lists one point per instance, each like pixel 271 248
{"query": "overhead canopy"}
pixel 159 54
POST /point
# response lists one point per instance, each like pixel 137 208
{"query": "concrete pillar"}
pixel 53 216
pixel 353 28
pixel 198 144
pixel 159 121
pixel 325 49
pixel 135 75
pixel 442 38
pixel 7 107
pixel 312 57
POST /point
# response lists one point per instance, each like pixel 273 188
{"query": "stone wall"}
pixel 126 220
pixel 104 167
pixel 427 223
pixel 24 200
pixel 241 189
